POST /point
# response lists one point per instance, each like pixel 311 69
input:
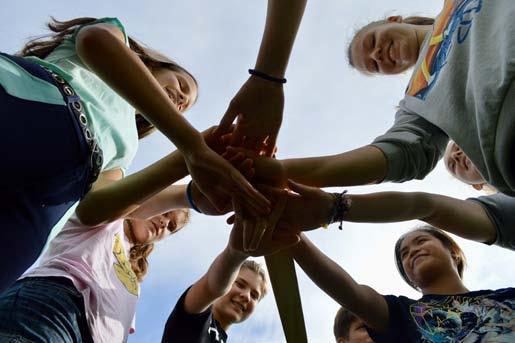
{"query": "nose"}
pixel 456 155
pixel 163 222
pixel 182 100
pixel 376 54
pixel 245 296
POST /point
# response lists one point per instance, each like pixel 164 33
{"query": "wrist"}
pixel 264 83
pixel 189 198
pixel 194 145
pixel 236 255
pixel 341 205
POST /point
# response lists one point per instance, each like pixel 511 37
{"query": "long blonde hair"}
pixel 43 45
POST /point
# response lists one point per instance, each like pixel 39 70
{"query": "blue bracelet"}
pixel 190 198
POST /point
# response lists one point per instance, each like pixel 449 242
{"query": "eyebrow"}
pixel 416 238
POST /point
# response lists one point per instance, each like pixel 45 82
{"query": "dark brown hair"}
pixel 42 46
pixel 342 322
pixel 139 253
pixel 413 20
pixel 447 241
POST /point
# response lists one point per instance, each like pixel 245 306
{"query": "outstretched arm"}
pixel 467 219
pixel 361 166
pixel 102 48
pixel 259 103
pixel 362 300
pixel 112 197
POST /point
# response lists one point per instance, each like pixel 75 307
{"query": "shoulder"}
pixel 113 25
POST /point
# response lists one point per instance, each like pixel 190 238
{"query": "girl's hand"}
pixel 258 105
pixel 258 236
pixel 266 170
pixel 217 180
pixel 307 209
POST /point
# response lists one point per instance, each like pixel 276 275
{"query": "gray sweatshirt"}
pixel 462 88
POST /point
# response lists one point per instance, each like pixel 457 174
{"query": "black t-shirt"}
pixel 475 317
pixel 184 327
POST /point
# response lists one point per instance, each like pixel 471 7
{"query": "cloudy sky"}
pixel 330 108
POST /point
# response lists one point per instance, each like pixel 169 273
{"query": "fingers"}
pixel 270 147
pixel 258 227
pixel 226 122
pixel 251 198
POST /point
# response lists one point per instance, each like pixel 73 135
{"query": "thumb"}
pixel 270 149
pixel 298 188
pixel 226 122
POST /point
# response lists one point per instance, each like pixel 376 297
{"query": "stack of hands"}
pixel 259 231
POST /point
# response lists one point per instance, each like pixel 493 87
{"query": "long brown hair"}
pixel 413 20
pixel 43 45
pixel 139 253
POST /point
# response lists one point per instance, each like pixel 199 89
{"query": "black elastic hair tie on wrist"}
pixel 266 76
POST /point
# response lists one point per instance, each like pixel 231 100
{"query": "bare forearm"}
pixel 282 23
pixel 223 271
pixel 118 199
pixel 361 166
pixel 107 55
pixel 170 198
pixel 463 218
pixel 335 282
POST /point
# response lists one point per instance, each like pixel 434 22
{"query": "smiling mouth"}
pixel 239 306
pixel 416 258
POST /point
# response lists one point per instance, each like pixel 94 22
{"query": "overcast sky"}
pixel 330 108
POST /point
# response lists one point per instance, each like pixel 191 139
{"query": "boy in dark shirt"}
pixel 348 328
pixel 230 290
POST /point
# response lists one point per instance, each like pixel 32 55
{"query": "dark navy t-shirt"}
pixel 184 327
pixel 473 317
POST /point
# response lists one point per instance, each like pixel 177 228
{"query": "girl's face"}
pixel 239 303
pixel 423 256
pixel 180 87
pixel 460 166
pixel 155 228
pixel 385 48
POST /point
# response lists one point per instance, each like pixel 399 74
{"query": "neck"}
pixel 447 284
pixel 421 31
pixel 128 233
pixel 224 324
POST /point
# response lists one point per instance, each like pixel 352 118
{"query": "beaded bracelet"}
pixel 266 76
pixel 190 198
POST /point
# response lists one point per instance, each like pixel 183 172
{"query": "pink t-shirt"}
pixel 96 260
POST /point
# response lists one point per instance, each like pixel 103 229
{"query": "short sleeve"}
pixel 182 326
pixel 400 327
pixel 500 208
pixel 109 21
pixel 412 147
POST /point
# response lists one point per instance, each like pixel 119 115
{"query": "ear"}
pixel 341 340
pixel 394 19
pixel 478 186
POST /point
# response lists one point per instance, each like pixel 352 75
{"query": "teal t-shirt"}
pixel 111 118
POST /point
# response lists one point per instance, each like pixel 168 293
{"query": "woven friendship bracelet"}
pixel 341 206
